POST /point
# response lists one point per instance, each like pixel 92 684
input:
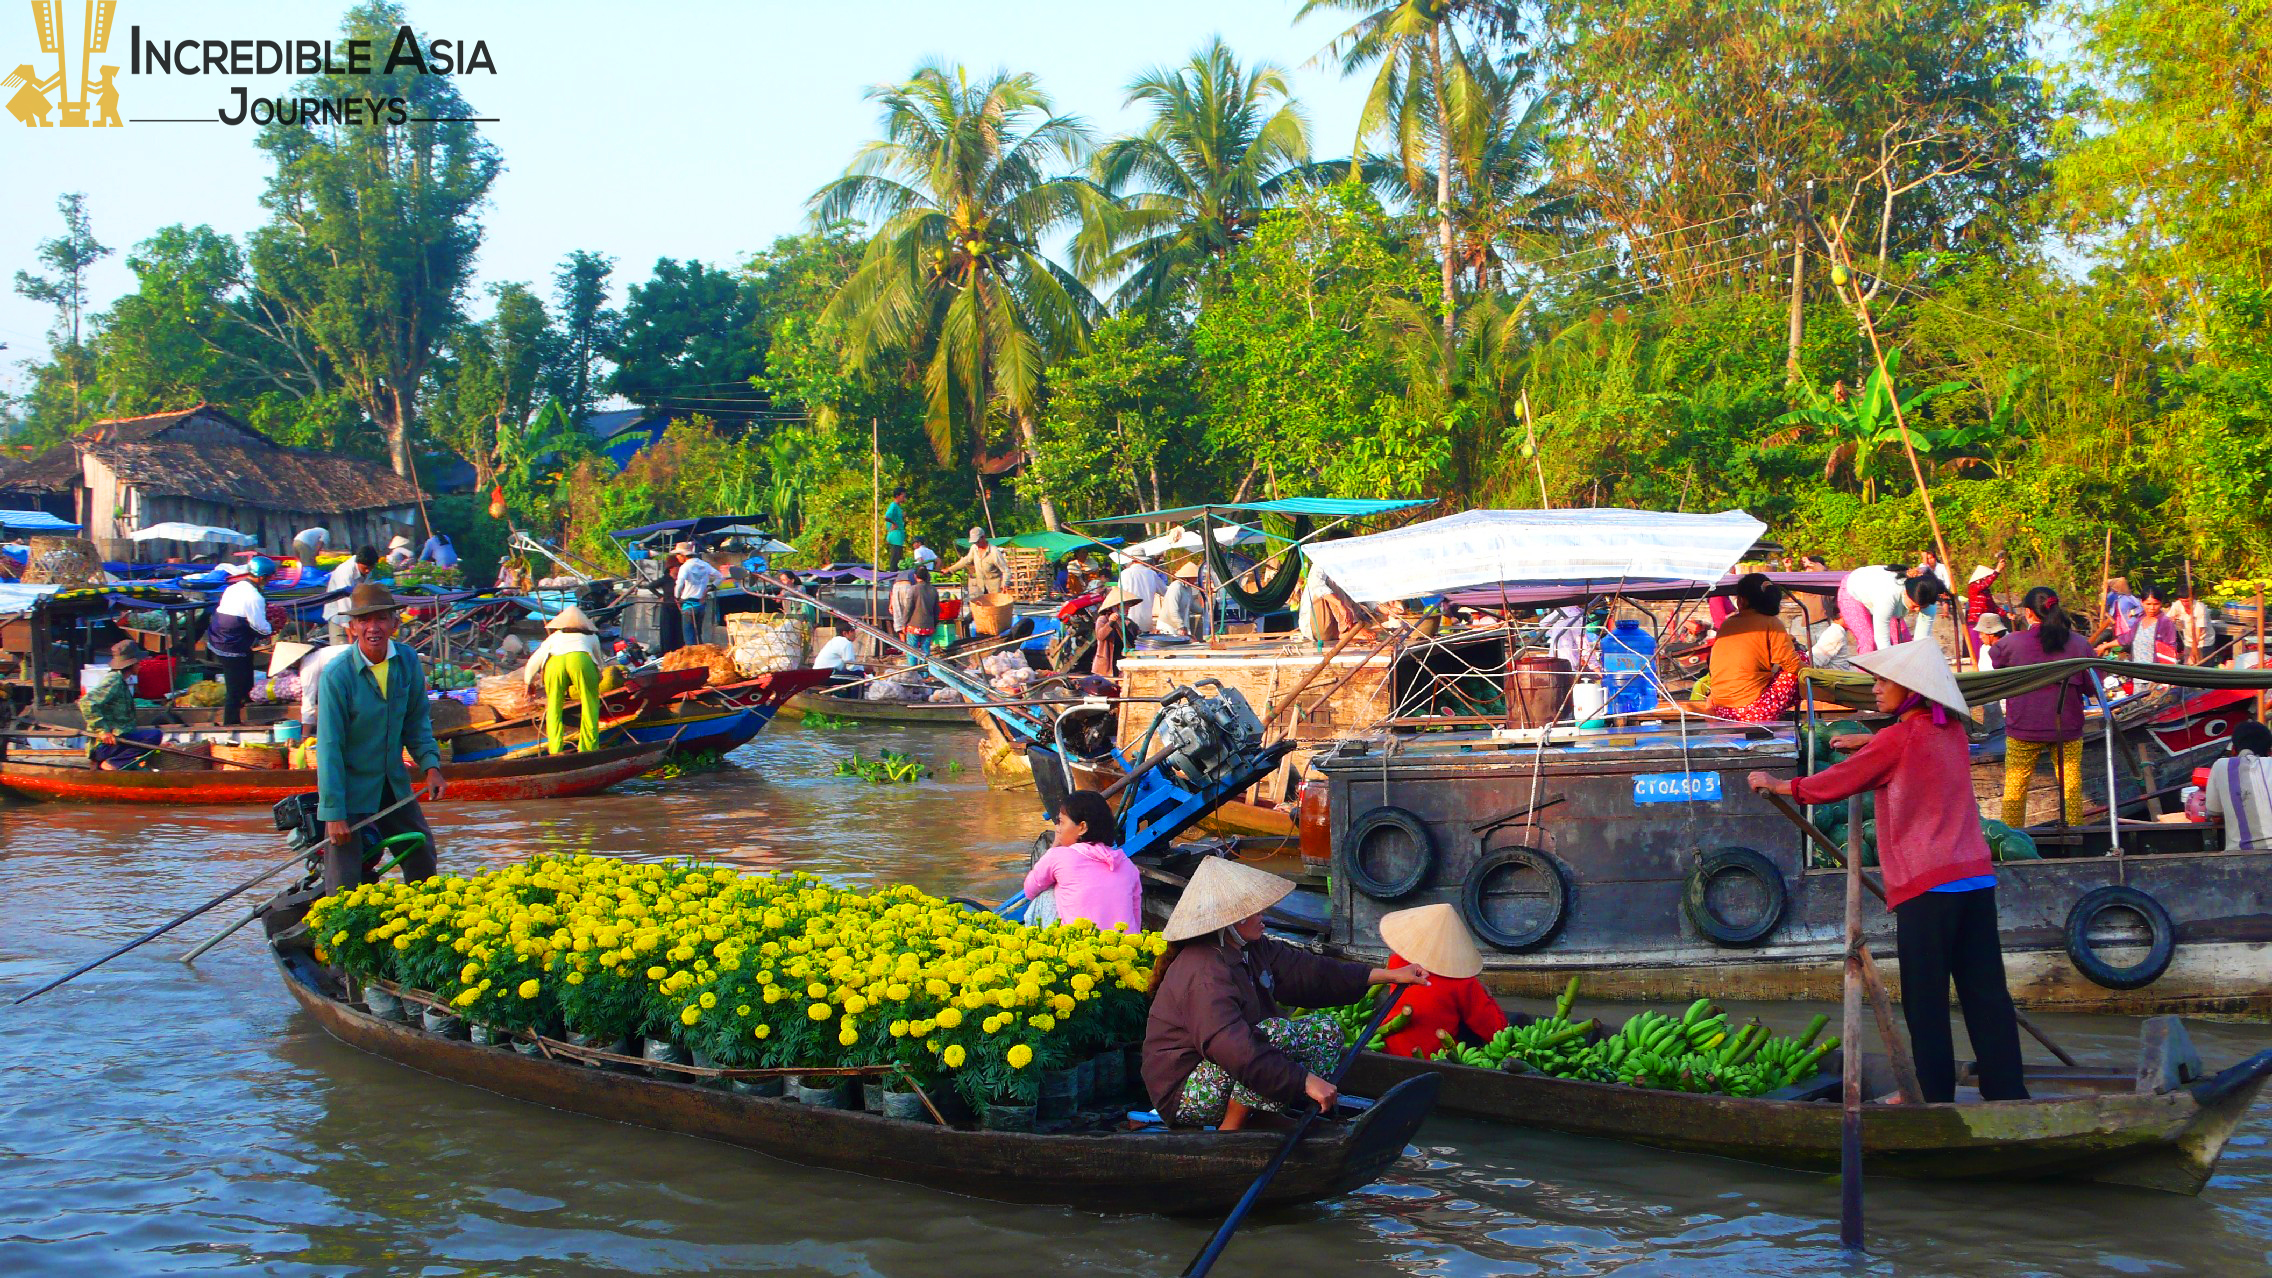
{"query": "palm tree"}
pixel 1222 142
pixel 954 279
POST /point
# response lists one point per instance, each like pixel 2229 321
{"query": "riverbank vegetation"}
pixel 1579 252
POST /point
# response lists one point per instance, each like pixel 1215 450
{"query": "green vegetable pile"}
pixel 451 678
pixel 1353 1018
pixel 889 766
pixel 2004 842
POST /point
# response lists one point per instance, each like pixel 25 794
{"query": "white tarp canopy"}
pixel 1479 548
pixel 192 533
pixel 1186 539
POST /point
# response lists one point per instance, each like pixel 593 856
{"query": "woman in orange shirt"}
pixel 1755 666
pixel 1450 1001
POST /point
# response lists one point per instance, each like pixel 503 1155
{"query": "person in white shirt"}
pixel 2239 792
pixel 1876 602
pixel 344 579
pixel 697 578
pixel 308 667
pixel 309 543
pixel 1991 629
pixel 240 620
pixel 836 654
pixel 924 556
pixel 400 553
pixel 1142 584
pixel 1179 610
pixel 568 661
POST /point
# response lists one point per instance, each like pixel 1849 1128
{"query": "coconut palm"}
pixel 1223 140
pixel 967 181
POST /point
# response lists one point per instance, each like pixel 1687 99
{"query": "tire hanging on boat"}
pixel 2161 946
pixel 1388 820
pixel 1474 889
pixel 1274 593
pixel 1696 902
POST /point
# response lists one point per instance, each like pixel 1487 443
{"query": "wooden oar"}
pixel 1850 1032
pixel 153 934
pixel 1208 1254
pixel 411 841
pixel 1814 832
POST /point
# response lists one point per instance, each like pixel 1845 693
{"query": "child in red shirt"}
pixel 1451 1000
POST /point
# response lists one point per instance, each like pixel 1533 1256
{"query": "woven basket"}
pixel 250 756
pixel 1029 573
pixel 990 614
pixel 169 762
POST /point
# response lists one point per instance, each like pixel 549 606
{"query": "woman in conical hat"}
pixel 569 663
pixel 1940 881
pixel 1453 1002
pixel 1217 1043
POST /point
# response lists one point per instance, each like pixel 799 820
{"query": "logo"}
pixel 32 98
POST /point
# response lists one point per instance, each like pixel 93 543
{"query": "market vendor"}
pixel 240 621
pixel 984 570
pixel 108 709
pixel 1940 881
pixel 1180 610
pixel 1452 1001
pixel 1217 1043
pixel 1755 665
pixel 370 712
pixel 568 661
pixel 296 670
pixel 697 580
pixel 1111 634
pixel 2239 792
pixel 1876 602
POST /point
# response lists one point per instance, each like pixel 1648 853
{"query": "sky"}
pixel 686 130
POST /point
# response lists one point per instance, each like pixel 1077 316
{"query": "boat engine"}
pixel 1206 738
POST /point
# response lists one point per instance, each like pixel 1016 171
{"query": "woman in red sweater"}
pixel 1432 938
pixel 1939 879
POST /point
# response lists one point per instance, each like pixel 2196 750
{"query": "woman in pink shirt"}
pixel 1939 880
pixel 1093 878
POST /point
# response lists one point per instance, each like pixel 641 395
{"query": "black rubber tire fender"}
pixel 1353 858
pixel 1478 881
pixel 1696 902
pixel 2160 949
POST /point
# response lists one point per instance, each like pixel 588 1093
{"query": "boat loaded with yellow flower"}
pixel 751 1009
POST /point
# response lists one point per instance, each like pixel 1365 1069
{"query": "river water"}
pixel 156 1118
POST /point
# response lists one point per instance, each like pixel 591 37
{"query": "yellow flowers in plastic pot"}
pixel 753 971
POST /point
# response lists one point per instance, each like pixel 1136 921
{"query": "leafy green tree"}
pixel 373 234
pixel 70 256
pixel 2228 417
pixel 691 340
pixel 1222 143
pixel 955 280
pixel 485 398
pixel 1122 428
pixel 1863 430
pixel 588 330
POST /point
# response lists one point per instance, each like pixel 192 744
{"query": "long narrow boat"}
pixel 822 701
pixel 2083 1124
pixel 1168 1172
pixel 690 720
pixel 563 776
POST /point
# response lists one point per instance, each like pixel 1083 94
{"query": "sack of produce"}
pixel 766 647
pixel 506 694
pixel 946 697
pixel 898 687
pixel 718 661
pixel 209 693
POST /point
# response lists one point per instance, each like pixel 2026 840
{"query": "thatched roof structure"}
pixel 205 454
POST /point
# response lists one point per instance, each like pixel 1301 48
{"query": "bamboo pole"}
pixel 875 514
pixel 2260 650
pixel 1850 1037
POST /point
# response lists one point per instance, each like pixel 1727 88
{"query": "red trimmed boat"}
pixel 561 776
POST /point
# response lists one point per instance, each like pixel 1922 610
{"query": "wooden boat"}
pixel 690 719
pixel 2146 1130
pixel 835 706
pixel 562 776
pixel 1110 1171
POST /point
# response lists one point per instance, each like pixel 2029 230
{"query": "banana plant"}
pixel 1862 428
pixel 2004 426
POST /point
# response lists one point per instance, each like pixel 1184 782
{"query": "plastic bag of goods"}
pixel 898 687
pixel 506 694
pixel 999 665
pixel 946 697
pixel 765 649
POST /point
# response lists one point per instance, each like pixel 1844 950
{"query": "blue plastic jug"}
pixel 1629 668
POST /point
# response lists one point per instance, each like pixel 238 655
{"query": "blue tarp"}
pixel 34 521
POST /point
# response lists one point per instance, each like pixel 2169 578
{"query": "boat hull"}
pixel 2098 1129
pixel 716 719
pixel 1174 1173
pixel 817 701
pixel 551 777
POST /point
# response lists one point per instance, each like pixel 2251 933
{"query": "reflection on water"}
pixel 157 1118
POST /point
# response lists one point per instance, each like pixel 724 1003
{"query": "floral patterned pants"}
pixel 1781 691
pixel 1315 1042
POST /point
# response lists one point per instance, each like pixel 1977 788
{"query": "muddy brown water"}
pixel 161 1119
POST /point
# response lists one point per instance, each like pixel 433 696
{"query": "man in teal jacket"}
pixel 370 710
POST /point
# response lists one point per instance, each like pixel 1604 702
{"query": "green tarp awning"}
pixel 1056 544
pixel 1852 687
pixel 1322 507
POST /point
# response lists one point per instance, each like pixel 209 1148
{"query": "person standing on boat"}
pixel 1980 600
pixel 1217 1043
pixel 915 608
pixel 984 570
pixel 1876 601
pixel 697 578
pixel 1452 1001
pixel 1111 634
pixel 108 710
pixel 569 662
pixel 439 551
pixel 1141 585
pixel 308 545
pixel 1755 665
pixel 240 620
pixel 1940 880
pixel 2047 721
pixel 1086 877
pixel 344 579
pixel 371 711
pixel 2239 792
pixel 895 530
pixel 1179 611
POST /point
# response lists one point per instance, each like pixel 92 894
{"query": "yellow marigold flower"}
pixel 818 1011
pixel 949 1017
pixel 761 1031
pixel 1020 1056
pixel 743 1010
pixel 816 990
pixel 657 973
pixel 689 1014
pixel 708 1000
pixel 529 988
pixel 854 1004
pixel 849 1036
pixel 899 1029
pixel 953 1056
pixel 575 978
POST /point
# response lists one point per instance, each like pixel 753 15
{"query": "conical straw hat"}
pixel 571 618
pixel 1918 666
pixel 1221 893
pixel 287 655
pixel 1433 937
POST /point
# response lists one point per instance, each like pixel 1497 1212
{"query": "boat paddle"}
pixel 1213 1251
pixel 153 934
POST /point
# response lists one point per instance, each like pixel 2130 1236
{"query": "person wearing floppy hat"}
pixel 240 621
pixel 1990 629
pixel 108 710
pixel 1452 1002
pixel 370 712
pixel 1217 1042
pixel 568 661
pixel 1940 881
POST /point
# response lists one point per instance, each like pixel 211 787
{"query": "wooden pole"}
pixel 2192 630
pixel 875 515
pixel 1850 1037
pixel 2105 582
pixel 2260 650
pixel 1896 1047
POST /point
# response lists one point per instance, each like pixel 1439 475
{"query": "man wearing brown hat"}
pixel 370 711
pixel 108 709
